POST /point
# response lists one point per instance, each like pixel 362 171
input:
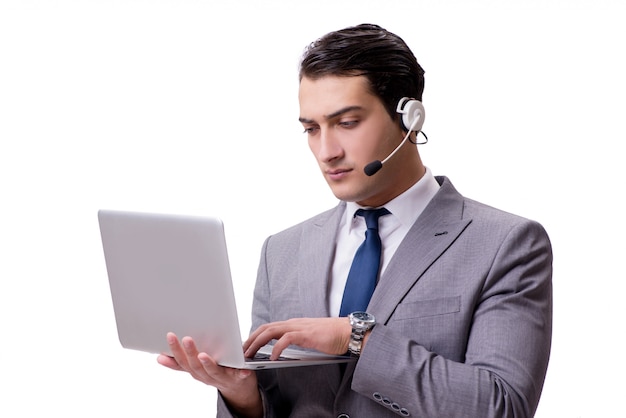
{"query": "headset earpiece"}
pixel 413 114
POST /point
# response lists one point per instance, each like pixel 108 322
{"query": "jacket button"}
pixel 343 416
pixel 404 412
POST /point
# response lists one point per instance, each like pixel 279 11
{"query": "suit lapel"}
pixel 317 246
pixel 431 235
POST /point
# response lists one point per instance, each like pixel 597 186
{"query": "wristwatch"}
pixel 361 322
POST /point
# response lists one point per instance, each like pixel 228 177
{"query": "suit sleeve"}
pixel 508 343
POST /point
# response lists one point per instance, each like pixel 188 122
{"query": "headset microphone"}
pixel 412 120
pixel 373 167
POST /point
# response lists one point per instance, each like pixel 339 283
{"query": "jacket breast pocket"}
pixel 435 324
pixel 426 308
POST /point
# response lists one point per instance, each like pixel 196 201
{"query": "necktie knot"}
pixel 371 216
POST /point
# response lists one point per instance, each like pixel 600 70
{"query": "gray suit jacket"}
pixel 464 313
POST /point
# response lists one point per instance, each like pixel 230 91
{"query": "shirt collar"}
pixel 409 205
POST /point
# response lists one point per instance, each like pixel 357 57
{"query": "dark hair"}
pixel 369 50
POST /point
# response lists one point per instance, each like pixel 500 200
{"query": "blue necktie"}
pixel 364 270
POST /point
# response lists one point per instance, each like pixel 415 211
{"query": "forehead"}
pixel 324 96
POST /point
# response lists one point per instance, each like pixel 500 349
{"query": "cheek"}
pixel 364 150
pixel 359 153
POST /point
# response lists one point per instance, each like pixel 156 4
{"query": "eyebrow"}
pixel 334 114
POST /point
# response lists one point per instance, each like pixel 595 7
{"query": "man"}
pixel 463 300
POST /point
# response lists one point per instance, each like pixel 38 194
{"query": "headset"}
pixel 413 114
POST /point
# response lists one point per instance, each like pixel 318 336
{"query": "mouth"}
pixel 337 173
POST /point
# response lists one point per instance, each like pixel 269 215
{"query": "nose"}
pixel 329 147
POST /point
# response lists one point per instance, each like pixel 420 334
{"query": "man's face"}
pixel 348 127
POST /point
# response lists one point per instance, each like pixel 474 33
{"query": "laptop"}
pixel 171 273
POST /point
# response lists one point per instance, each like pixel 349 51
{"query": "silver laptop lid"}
pixel 171 273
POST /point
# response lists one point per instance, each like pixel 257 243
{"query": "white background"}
pixel 190 107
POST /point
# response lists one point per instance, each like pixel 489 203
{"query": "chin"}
pixel 350 191
pixel 347 196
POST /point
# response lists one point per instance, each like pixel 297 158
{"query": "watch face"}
pixel 363 317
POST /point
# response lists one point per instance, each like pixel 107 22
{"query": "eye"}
pixel 349 123
pixel 310 130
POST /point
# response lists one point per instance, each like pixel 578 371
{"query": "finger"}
pixel 211 367
pixel 255 334
pixel 219 375
pixel 264 336
pixel 178 353
pixel 207 361
pixel 211 371
pixel 285 341
pixel 168 362
pixel 189 346
pixel 195 367
pixel 251 347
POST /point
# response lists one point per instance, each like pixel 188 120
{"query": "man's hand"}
pixel 238 387
pixel 328 335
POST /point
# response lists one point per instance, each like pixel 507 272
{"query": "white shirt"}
pixel 405 209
